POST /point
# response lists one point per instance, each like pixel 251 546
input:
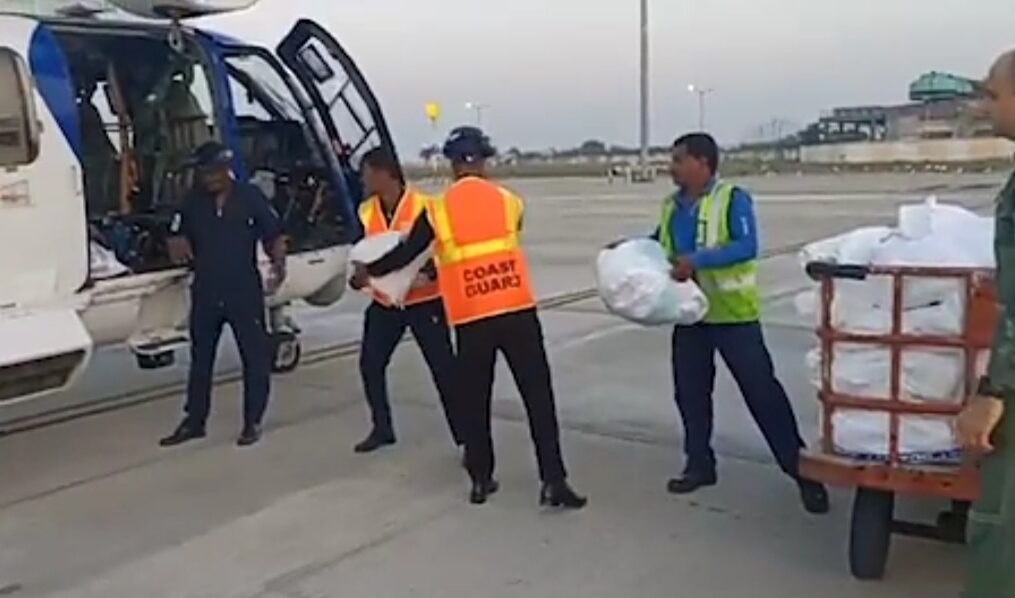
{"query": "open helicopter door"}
pixel 44 345
pixel 340 94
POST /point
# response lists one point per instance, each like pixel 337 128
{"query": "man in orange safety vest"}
pixel 488 296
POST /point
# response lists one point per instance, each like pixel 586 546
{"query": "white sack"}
pixel 634 283
pixel 928 375
pixel 395 285
pixel 856 247
pixel 867 434
pixel 103 263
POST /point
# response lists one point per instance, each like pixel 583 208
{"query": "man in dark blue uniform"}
pixel 218 227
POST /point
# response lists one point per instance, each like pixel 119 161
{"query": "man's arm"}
pixel 180 240
pixel 419 239
pixel 999 381
pixel 269 229
pixel 743 245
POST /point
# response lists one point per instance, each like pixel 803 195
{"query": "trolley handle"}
pixel 822 270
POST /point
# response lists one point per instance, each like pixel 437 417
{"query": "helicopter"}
pixel 97 118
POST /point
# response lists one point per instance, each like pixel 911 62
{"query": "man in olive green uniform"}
pixel 984 427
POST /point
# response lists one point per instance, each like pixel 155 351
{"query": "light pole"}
pixel 478 108
pixel 643 156
pixel 702 92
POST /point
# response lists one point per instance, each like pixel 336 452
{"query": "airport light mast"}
pixel 702 93
pixel 643 156
pixel 479 109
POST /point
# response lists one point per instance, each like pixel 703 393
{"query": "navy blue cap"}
pixel 210 155
pixel 468 144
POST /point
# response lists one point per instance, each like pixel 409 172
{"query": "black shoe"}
pixel 561 495
pixel 250 435
pixel 814 497
pixel 482 490
pixel 691 482
pixel 375 441
pixel 185 432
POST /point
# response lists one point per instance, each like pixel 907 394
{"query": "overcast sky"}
pixel 557 72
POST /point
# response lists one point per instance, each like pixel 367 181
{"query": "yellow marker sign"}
pixel 433 111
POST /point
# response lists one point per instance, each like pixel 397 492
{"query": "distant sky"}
pixel 557 72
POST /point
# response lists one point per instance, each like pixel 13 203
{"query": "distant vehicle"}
pixel 96 118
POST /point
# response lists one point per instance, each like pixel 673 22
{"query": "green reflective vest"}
pixel 732 291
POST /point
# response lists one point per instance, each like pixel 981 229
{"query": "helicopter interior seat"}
pixel 183 126
pixel 186 121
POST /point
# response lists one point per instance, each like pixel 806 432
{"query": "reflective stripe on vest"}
pixel 733 290
pixel 410 206
pixel 482 270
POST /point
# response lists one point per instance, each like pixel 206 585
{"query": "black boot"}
pixel 814 496
pixel 185 432
pixel 250 435
pixel 691 482
pixel 374 441
pixel 482 490
pixel 559 494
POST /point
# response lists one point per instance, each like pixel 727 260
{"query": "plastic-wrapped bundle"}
pixel 394 285
pixel 634 283
pixel 927 234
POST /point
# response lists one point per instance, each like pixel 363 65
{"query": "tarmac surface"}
pixel 92 507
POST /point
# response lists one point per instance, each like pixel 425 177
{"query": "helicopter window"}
pixel 280 148
pixel 311 56
pixel 19 125
pixel 258 90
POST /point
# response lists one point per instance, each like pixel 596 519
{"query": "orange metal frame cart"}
pixel 878 483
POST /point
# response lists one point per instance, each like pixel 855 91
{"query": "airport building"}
pixel 939 123
pixel 941 106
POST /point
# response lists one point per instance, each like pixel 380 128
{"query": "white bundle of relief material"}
pixel 634 283
pixel 103 263
pixel 927 234
pixel 394 285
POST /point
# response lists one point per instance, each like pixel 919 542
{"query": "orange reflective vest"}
pixel 371 214
pixel 481 267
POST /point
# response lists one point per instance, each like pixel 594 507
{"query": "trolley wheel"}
pixel 286 354
pixel 952 524
pixel 871 533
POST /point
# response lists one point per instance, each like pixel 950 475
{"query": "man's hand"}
pixel 180 251
pixel 276 277
pixel 422 279
pixel 977 423
pixel 360 277
pixel 682 270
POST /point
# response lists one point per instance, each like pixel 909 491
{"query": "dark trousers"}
pixel 383 329
pixel 519 336
pixel 991 532
pixel 742 347
pixel 246 319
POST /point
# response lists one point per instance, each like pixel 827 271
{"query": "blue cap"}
pixel 210 155
pixel 468 144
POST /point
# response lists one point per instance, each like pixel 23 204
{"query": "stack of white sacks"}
pixel 928 234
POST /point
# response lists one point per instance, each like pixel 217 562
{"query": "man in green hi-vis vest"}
pixel 709 231
pixel 986 427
